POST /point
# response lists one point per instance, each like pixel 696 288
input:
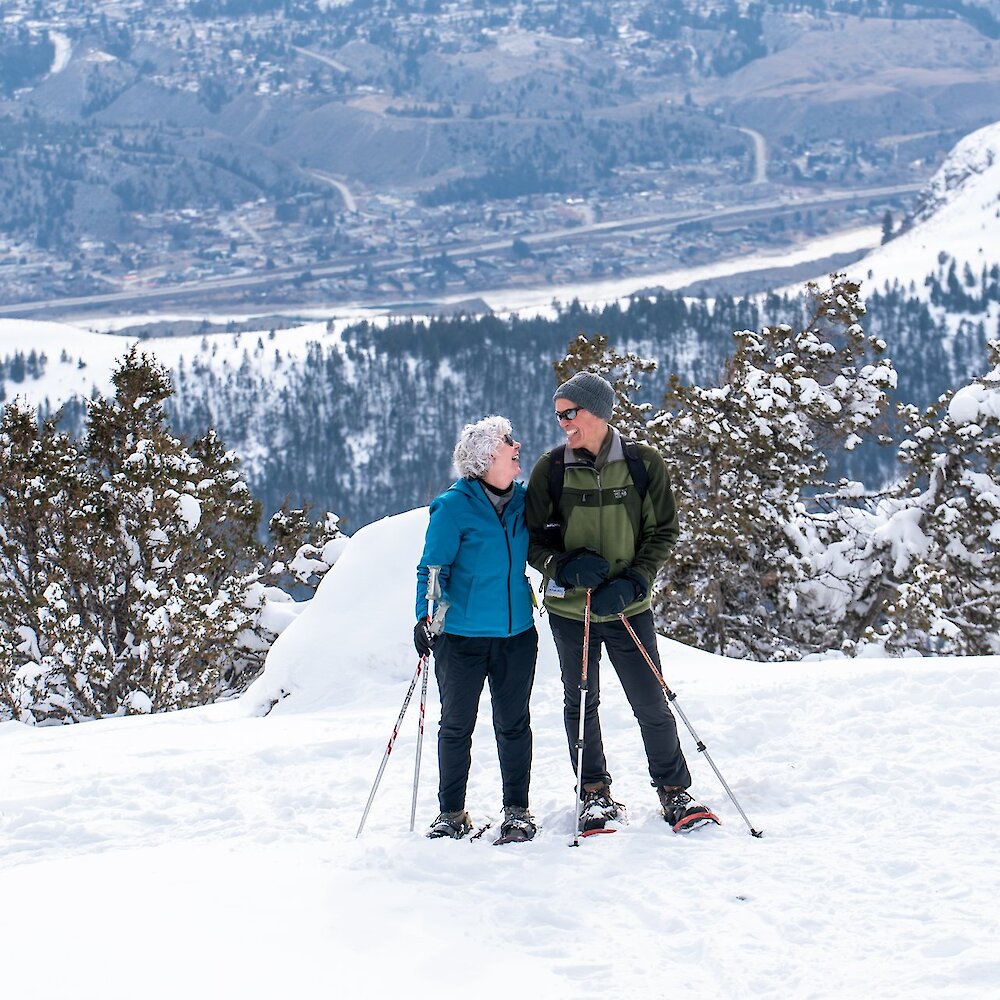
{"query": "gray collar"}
pixel 499 500
pixel 610 452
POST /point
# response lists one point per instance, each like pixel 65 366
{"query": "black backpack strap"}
pixel 557 470
pixel 636 467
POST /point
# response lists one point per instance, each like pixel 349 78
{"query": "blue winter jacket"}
pixel 482 558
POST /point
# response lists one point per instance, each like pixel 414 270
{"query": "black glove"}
pixel 580 568
pixel 423 637
pixel 613 596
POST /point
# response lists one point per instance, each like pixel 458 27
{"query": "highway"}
pixel 193 293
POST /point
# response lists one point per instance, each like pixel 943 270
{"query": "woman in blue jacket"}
pixel 478 538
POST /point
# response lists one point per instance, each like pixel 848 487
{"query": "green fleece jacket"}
pixel 600 509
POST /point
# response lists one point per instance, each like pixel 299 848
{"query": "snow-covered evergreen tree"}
pixel 130 572
pixel 302 550
pixel 594 354
pixel 42 484
pixel 745 456
pixel 941 564
pixel 775 562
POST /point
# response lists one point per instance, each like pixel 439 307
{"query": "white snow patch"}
pixel 960 217
pixel 189 509
pixel 63 52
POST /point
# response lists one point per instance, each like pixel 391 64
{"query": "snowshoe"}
pixel 451 824
pixel 518 826
pixel 600 812
pixel 682 812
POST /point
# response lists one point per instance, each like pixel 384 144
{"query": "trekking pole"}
pixel 433 593
pixel 672 699
pixel 579 737
pixel 392 739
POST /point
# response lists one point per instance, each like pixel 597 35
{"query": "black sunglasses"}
pixel 569 414
pixel 508 439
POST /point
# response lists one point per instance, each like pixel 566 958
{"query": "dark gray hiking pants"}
pixel 667 765
pixel 461 665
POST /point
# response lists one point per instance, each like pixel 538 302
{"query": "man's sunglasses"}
pixel 569 414
pixel 508 439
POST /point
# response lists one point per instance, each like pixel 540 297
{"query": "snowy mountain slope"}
pixel 306 409
pixel 212 852
pixel 80 360
pixel 959 215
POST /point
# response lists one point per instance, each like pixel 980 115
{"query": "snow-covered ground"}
pixel 65 347
pixel 212 853
pixel 63 52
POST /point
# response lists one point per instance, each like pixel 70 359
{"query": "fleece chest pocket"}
pixel 609 496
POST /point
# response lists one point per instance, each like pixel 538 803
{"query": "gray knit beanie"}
pixel 590 391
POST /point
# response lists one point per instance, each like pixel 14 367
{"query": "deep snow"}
pixel 212 852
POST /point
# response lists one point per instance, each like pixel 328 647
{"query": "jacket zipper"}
pixel 510 567
pixel 600 509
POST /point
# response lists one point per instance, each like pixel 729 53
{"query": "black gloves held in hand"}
pixel 613 596
pixel 580 568
pixel 423 637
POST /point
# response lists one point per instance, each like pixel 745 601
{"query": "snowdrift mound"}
pixel 959 215
pixel 356 630
pixel 355 636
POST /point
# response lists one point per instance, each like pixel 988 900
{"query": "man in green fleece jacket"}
pixel 608 538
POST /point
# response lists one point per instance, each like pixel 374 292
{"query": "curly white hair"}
pixel 477 444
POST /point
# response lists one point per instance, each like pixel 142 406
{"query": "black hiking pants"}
pixel 667 765
pixel 461 665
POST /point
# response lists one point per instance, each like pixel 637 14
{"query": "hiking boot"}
pixel 598 806
pixel 518 825
pixel 453 824
pixel 681 811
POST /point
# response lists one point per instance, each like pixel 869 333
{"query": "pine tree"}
pixel 42 490
pixel 943 572
pixel 129 579
pixel 594 354
pixel 745 457
pixel 302 550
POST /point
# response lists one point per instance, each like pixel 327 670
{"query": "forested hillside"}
pixel 362 422
pixel 365 426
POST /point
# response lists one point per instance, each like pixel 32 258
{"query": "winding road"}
pixel 350 203
pixel 759 154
